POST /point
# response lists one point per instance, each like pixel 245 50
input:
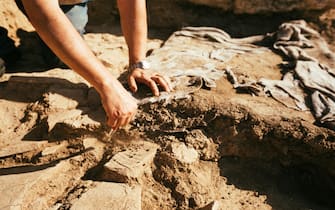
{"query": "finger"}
pixel 152 85
pixel 168 81
pixel 132 84
pixel 123 121
pixel 112 123
pixel 162 82
pixel 118 124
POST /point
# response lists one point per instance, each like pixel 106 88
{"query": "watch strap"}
pixel 141 65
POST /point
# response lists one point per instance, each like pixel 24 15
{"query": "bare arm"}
pixel 134 27
pixel 59 34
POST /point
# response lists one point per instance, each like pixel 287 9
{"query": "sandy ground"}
pixel 216 150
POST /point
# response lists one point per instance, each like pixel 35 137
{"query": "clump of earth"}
pixel 215 149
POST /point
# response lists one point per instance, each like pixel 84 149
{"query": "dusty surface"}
pixel 217 149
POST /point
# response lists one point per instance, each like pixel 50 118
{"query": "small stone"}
pixel 183 153
pixel 56 206
pixel 215 205
pixel 54 149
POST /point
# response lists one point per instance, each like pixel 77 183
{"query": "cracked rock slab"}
pixel 34 188
pixel 130 164
pixel 21 147
pixel 110 196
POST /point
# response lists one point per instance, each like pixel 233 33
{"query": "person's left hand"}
pixel 150 78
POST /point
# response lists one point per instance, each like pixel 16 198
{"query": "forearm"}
pixel 134 27
pixel 59 34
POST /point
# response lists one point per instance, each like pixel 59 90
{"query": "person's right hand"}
pixel 120 106
pixel 58 33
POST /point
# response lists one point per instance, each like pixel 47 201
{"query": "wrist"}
pixel 106 85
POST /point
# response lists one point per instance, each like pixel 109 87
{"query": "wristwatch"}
pixel 141 65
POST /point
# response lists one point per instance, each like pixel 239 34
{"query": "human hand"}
pixel 150 78
pixel 118 103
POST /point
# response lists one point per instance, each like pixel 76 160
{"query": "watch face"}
pixel 145 65
pixel 141 65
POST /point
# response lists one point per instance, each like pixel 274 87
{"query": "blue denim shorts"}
pixel 76 13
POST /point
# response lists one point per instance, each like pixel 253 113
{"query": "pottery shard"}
pixel 130 164
pixel 108 195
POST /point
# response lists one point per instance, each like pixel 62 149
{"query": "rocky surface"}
pixel 216 149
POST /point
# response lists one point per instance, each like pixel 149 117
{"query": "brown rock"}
pixel 130 164
pixel 65 98
pixel 60 117
pixel 110 196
